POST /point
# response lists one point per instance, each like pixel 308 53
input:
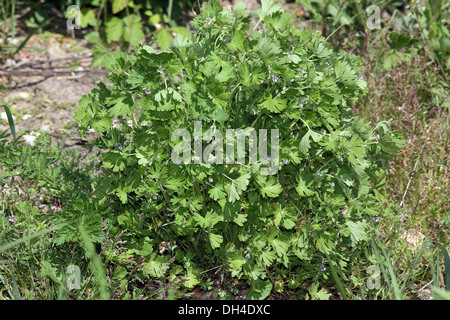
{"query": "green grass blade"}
pixel 416 261
pixel 397 293
pixel 10 120
pixel 447 266
pixel 7 289
pixel 97 263
pixel 440 294
pixel 435 270
pixel 380 261
pixel 169 9
pixel 15 288
pixel 13 18
pixel 24 42
pixel 31 236
pixel 336 278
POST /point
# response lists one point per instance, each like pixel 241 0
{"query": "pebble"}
pixel 10 62
pixel 21 95
pixel 55 51
pixel 45 127
pixel 4 116
pixel 27 117
pixel 13 41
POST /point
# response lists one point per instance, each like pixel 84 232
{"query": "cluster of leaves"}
pixel 58 177
pixel 122 22
pixel 426 26
pixel 412 26
pixel 231 76
pixel 350 15
pixel 129 22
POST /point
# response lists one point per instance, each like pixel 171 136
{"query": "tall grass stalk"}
pixel 31 236
pixel 416 261
pixel 392 283
pixel 336 278
pixel 447 266
pixel 10 120
pixel 97 264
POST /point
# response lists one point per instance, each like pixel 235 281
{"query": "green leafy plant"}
pixel 231 76
pixel 10 120
pixel 351 15
pixel 123 22
pixel 427 23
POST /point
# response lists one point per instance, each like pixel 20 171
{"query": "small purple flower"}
pixel 262 81
pixel 400 217
pixel 378 137
pixel 274 79
pixel 247 256
pixel 289 53
pixel 322 268
pixel 401 232
pixel 118 145
pixel 344 211
pixel 148 91
pixel 361 76
pixel 155 197
pixel 332 184
pixel 286 161
pixel 12 219
pixel 225 41
pixel 303 71
pixel 377 219
pixel 214 142
pixel 208 20
pixel 278 227
pixel 301 105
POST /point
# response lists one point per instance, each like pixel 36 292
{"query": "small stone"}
pixel 45 127
pixel 21 95
pixel 4 116
pixel 27 117
pixel 10 62
pixel 55 51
